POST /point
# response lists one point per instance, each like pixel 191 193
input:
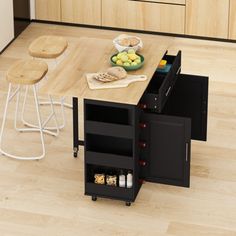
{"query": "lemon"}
pixel 119 62
pixel 132 56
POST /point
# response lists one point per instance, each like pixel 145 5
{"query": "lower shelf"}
pixel 125 194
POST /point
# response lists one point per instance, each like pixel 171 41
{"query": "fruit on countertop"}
pixel 127 59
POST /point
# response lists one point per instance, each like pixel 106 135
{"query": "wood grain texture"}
pixel 207 18
pixel 81 11
pixel 48 46
pixel 47 197
pixel 232 20
pixel 48 10
pixel 148 16
pixel 92 55
pixel 27 72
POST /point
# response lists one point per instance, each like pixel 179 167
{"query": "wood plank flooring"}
pixel 47 197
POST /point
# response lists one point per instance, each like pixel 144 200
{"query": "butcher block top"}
pixel 91 55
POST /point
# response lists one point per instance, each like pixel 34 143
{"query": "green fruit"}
pixel 119 62
pixel 114 59
pixel 134 63
pixel 124 53
pixel 119 55
pixel 126 64
pixel 131 51
pixel 130 61
pixel 138 61
pixel 124 58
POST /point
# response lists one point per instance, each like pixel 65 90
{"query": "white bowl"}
pixel 121 48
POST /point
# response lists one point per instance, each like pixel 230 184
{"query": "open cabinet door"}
pixel 167 154
pixel 189 99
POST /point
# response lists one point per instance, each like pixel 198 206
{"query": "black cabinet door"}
pixel 167 154
pixel 189 98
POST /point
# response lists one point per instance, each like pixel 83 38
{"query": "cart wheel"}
pixel 94 198
pixel 128 203
pixel 75 154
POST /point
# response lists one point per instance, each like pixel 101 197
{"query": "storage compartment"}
pixel 161 85
pixel 103 181
pixel 108 144
pixel 107 114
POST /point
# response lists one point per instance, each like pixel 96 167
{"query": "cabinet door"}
pixel 207 18
pixel 189 98
pixel 157 17
pixel 48 10
pixel 149 16
pixel 168 149
pixel 81 11
pixel 232 20
pixel 114 13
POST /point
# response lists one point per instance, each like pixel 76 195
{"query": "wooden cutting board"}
pixel 94 84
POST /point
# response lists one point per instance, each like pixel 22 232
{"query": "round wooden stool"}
pixel 27 73
pixel 50 47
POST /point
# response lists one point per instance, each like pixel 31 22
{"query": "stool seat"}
pixel 27 72
pixel 48 47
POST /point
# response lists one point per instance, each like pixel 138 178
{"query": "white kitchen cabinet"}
pixel 6 23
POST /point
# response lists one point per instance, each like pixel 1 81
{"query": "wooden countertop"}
pixel 92 55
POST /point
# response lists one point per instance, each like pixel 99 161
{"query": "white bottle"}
pixel 129 180
pixel 122 180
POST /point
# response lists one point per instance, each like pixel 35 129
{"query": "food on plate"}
pixel 129 42
pixel 112 74
pixel 117 71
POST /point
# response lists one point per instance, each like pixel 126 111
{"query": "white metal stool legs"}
pixel 40 128
pixel 45 128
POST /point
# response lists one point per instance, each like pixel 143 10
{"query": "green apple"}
pixel 126 64
pixel 114 59
pixel 124 58
pixel 131 51
pixel 134 63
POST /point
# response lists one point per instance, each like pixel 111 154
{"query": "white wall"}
pixel 6 23
pixel 32 9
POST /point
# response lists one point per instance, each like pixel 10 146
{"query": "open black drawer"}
pixel 161 85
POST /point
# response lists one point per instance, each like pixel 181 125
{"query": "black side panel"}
pixel 190 99
pixel 168 149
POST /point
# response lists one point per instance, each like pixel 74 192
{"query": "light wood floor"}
pixel 46 197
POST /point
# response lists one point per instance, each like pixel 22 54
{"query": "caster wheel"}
pixel 94 198
pixel 128 203
pixel 75 154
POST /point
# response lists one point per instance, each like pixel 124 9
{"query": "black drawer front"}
pixel 161 85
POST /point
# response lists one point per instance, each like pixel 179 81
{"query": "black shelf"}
pixel 104 159
pixel 107 129
pixel 124 194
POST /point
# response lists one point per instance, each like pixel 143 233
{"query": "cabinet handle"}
pixel 168 91
pixel 178 71
pixel 186 157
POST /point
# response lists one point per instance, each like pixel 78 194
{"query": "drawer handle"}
pixel 178 71
pixel 168 91
pixel 186 158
